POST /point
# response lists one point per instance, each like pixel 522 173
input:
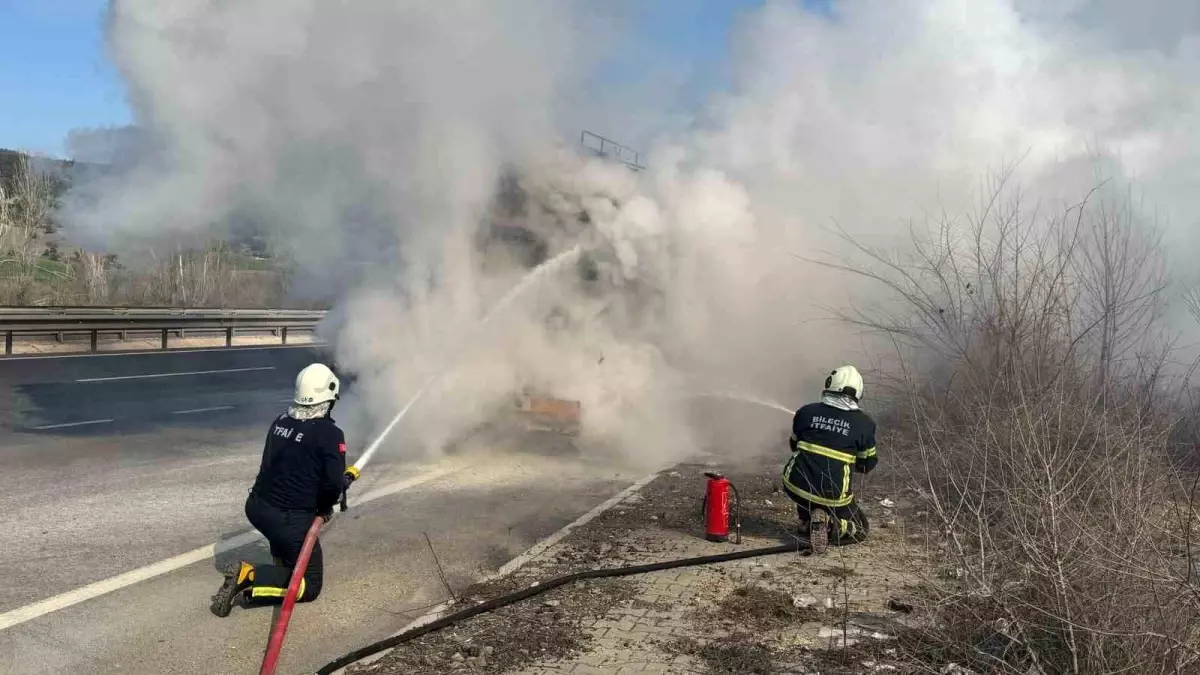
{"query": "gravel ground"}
pixel 541 628
pixel 733 622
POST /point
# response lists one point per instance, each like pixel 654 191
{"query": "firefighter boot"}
pixel 818 531
pixel 237 579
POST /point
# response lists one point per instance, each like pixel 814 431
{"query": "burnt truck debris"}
pixel 525 229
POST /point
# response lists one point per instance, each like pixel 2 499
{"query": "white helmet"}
pixel 845 380
pixel 316 384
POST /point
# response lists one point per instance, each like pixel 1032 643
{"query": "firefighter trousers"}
pixel 285 531
pixel 848 524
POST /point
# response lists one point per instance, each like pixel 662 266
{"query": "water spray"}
pixel 516 291
pixel 744 398
pixel 275 645
pixel 353 472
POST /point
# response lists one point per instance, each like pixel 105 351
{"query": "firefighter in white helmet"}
pixel 831 438
pixel 302 475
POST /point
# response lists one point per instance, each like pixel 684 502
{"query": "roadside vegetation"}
pixel 1043 410
pixel 39 267
pixel 1047 417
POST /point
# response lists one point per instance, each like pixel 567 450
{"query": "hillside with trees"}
pixel 39 266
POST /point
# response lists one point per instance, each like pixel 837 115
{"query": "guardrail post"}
pixel 125 324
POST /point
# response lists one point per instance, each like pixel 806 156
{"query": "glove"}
pixel 349 477
pixel 327 514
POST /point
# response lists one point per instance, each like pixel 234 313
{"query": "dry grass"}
pixel 31 272
pixel 759 609
pixel 206 278
pixel 1040 415
pixel 27 199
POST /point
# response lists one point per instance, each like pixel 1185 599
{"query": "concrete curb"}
pixel 516 563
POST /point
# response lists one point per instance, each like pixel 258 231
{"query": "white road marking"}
pixel 201 410
pixel 157 375
pixel 44 427
pixel 63 600
pixel 516 563
pixel 143 352
pixel 249 461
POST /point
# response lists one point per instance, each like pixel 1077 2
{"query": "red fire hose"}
pixel 275 645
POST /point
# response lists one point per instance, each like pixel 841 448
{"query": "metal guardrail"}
pixel 94 321
pixel 612 150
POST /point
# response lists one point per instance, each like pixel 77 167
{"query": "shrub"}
pixel 1039 416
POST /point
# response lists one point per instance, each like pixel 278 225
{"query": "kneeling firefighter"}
pixel 302 475
pixel 829 438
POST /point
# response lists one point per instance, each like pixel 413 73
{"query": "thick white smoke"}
pixel 895 112
pixel 375 132
pixel 355 133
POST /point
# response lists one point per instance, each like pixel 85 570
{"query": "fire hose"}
pixel 539 588
pixel 275 644
pixel 279 630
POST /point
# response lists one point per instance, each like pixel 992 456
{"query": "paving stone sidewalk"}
pixel 784 613
pixel 677 611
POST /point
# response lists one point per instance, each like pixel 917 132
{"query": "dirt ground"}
pixel 838 613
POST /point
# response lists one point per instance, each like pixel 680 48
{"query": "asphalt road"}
pixel 127 393
pixel 162 468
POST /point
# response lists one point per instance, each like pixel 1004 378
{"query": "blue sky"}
pixel 55 75
pixel 686 33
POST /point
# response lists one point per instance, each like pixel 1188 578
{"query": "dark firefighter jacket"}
pixel 302 465
pixel 826 443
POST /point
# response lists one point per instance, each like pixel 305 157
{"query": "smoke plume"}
pixel 370 139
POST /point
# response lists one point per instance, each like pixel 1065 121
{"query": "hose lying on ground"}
pixel 542 587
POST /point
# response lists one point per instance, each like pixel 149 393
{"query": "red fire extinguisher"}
pixel 716 509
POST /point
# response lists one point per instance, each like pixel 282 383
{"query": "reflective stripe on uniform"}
pixel 826 452
pixel 844 500
pixel 865 454
pixel 804 494
pixel 848 528
pixel 274 591
pixel 787 469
